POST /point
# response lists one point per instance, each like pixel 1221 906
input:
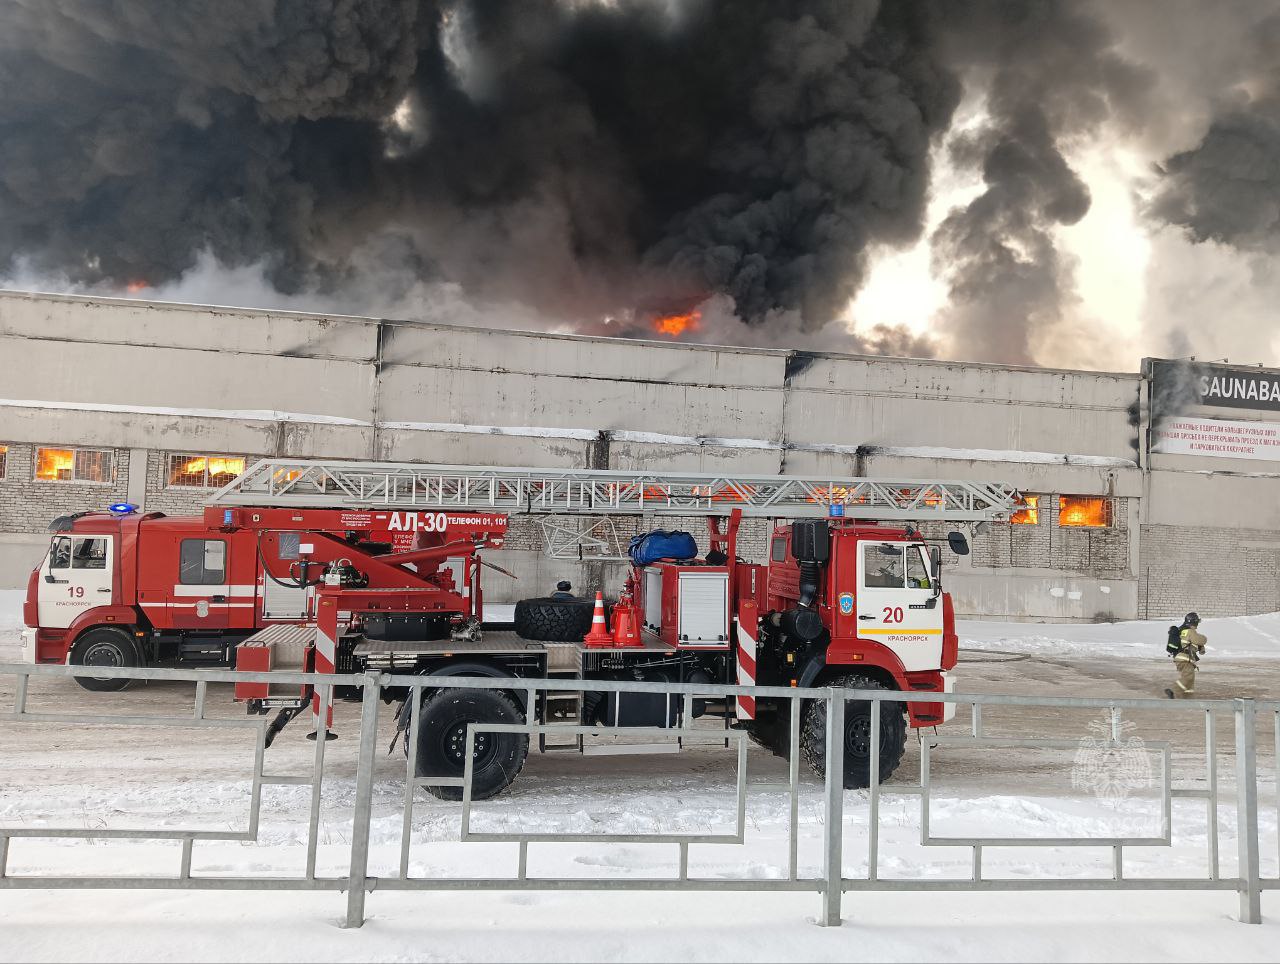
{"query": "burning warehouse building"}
pixel 1148 493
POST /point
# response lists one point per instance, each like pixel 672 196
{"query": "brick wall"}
pixel 176 500
pixel 1216 572
pixel 29 505
pixel 1102 552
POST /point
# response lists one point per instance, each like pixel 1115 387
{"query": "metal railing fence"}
pixel 830 883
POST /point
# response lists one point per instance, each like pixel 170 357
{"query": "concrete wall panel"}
pixel 510 399
pixel 1050 597
pixel 44 426
pixel 20 552
pixel 462 448
pixel 114 321
pixel 480 350
pixel 180 378
pixel 1214 499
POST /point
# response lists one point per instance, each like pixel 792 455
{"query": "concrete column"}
pixel 137 491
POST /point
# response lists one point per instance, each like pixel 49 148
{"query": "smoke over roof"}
pixel 591 161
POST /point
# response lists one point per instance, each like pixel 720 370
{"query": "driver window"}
pixel 60 555
pixel 881 566
pixel 917 569
pixel 90 554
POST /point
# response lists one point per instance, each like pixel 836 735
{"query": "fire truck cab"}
pixel 119 588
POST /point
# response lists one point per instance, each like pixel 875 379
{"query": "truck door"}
pixel 76 575
pixel 896 602
pixel 281 599
pixel 202 595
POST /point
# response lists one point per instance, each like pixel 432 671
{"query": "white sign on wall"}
pixel 1218 438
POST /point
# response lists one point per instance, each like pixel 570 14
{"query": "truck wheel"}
pixel 554 620
pixel 105 647
pixel 771 735
pixel 442 740
pixel 857 734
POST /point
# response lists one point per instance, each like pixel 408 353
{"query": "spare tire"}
pixel 554 620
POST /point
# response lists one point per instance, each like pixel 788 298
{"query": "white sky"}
pixel 1140 289
pixel 1110 247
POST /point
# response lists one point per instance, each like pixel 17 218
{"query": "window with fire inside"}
pixel 95 466
pixel 1084 512
pixel 193 471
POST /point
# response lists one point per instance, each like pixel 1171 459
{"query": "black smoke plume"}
pixel 578 158
pixel 1225 187
pixel 1050 74
pixel 596 161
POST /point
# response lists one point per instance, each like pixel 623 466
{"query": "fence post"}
pixel 1247 812
pixel 357 877
pixel 833 839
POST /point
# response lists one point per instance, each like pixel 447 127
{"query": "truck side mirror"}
pixel 935 567
pixel 958 543
pixel 810 540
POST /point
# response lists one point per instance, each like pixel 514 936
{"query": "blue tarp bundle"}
pixel 656 545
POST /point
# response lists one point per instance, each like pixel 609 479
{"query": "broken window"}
pixel 1030 515
pixel 4 460
pixel 74 465
pixel 204 471
pixel 1084 511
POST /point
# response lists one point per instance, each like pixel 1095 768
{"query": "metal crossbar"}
pixel 400 485
pixel 830 883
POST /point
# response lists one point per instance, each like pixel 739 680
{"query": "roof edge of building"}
pixel 565 336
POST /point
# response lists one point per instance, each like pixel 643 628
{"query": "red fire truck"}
pixel 119 588
pixel 850 595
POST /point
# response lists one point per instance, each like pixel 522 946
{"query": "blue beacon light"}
pixel 122 508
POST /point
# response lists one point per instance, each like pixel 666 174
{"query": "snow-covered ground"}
pixel 100 777
pixel 1238 637
pixel 10 613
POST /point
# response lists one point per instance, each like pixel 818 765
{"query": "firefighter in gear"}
pixel 1190 644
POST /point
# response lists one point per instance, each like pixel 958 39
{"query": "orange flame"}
pixel 829 494
pixel 1029 515
pixel 1083 511
pixel 218 465
pixel 55 465
pixel 724 493
pixel 133 287
pixel 673 326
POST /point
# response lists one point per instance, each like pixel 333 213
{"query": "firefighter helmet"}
pixel 1193 619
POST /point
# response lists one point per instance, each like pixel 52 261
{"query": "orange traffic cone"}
pixel 624 624
pixel 599 636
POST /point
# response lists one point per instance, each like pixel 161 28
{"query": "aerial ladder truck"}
pixel 382 565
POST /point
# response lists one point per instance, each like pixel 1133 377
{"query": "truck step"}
pixel 622 749
pixel 545 747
